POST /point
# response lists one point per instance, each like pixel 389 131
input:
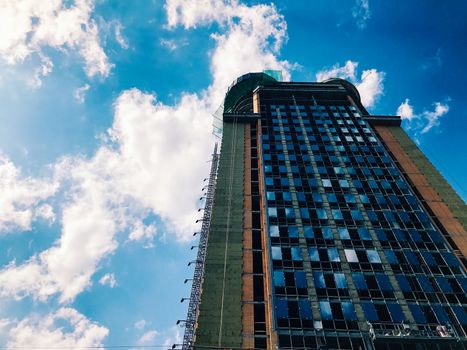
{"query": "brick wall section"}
pixel 449 210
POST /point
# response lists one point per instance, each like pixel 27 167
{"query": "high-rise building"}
pixel 325 228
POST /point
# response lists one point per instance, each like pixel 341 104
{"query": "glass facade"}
pixel 353 253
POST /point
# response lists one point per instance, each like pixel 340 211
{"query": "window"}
pixel 344 233
pixel 383 282
pixel 373 256
pixel 305 309
pixel 396 312
pixel 333 255
pixel 313 253
pixel 364 234
pixel 300 279
pixel 321 214
pixel 369 311
pixel 274 231
pixel 289 213
pixel 308 231
pixel 417 313
pixel 292 231
pixel 392 259
pixel 359 280
pixel 403 283
pixel 271 196
pixel 349 311
pixel 326 183
pixel 276 253
pixel 282 310
pixel 272 212
pixel 339 278
pixel 351 255
pixel 325 309
pixel 279 280
pixel 296 254
pixel 286 196
pixel 318 278
pixel 337 214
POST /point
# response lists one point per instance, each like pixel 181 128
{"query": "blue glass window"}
pixel 411 258
pixel 351 255
pixel 325 309
pixel 417 313
pixel 349 198
pixel 272 212
pixel 369 311
pixel 359 280
pixel 313 252
pixel 440 313
pixel 301 197
pixel 349 311
pixel 381 235
pixel 317 197
pixel 284 182
pixel 292 231
pixel 308 231
pixel 443 284
pixel 279 279
pixel 356 215
pixel 383 281
pixel 327 233
pixel 396 312
pixel 318 278
pixel 287 196
pixel 403 283
pixel 276 253
pixel 321 214
pixel 331 198
pixel 269 181
pixel 343 183
pixel 364 234
pixel 429 259
pixel 451 260
pixel 339 278
pixel 333 255
pixel 337 214
pixel 300 279
pixel 274 231
pixel 305 309
pixel 364 198
pixel 304 213
pixel 425 284
pixel 392 259
pixel 290 213
pixel 296 254
pixel 271 196
pixel 326 183
pixel 282 310
pixel 344 233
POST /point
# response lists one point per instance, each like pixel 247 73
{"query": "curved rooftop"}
pixel 351 89
pixel 242 85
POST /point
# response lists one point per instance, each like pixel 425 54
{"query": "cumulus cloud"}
pixel 148 338
pixel 361 13
pixel 426 120
pixel 370 85
pixel 152 160
pixel 80 93
pixel 22 197
pixel 109 280
pixel 64 328
pixel 39 25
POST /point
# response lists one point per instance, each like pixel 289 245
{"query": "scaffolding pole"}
pixel 195 295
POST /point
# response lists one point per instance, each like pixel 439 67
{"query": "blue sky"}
pixel 106 132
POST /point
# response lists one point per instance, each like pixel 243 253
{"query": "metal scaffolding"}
pixel 193 306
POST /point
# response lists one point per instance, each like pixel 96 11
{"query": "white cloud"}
pixel 46 212
pixel 152 162
pixel 140 324
pixel 142 233
pixel 370 85
pixel 345 72
pixel 169 44
pixel 21 198
pixel 80 93
pixel 65 328
pixel 108 279
pixel 405 110
pixel 361 12
pixel 50 24
pixel 425 121
pixel 121 40
pixel 148 338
